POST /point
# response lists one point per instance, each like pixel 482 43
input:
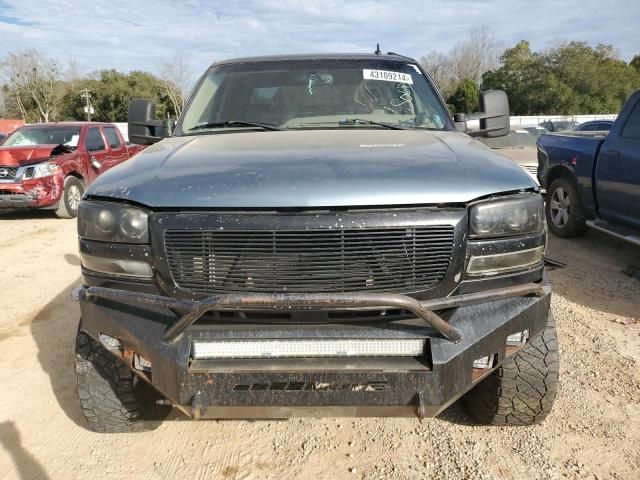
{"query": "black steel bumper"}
pixel 459 330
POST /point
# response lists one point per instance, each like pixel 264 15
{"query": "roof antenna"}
pixel 378 51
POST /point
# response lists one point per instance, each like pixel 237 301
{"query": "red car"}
pixel 49 165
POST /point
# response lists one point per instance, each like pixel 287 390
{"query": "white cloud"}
pixel 128 35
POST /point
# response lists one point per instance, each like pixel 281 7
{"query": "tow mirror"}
pixel 144 128
pixel 493 115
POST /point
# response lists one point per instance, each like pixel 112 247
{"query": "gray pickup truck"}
pixel 317 237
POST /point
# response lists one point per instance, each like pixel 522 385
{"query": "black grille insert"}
pixel 8 173
pixel 404 259
pixel 28 173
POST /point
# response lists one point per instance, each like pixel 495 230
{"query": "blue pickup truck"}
pixel 593 179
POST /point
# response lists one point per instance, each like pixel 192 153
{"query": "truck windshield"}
pixel 67 136
pixel 314 93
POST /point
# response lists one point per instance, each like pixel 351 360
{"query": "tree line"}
pixel 571 78
pixel 37 89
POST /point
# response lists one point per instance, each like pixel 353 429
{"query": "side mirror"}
pixel 144 129
pixel 495 105
pixel 494 115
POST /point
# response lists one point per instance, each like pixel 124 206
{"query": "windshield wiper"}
pixel 235 123
pixel 361 121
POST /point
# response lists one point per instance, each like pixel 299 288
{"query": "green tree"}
pixel 572 78
pixel 466 97
pixel 635 62
pixel 112 91
pixel 520 76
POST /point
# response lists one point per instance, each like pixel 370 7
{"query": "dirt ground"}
pixel 593 432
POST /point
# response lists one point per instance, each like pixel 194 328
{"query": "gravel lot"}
pixel 593 432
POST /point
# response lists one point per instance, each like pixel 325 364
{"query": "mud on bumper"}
pixel 342 386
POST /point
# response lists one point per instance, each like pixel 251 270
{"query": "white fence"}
pixel 124 129
pixel 532 121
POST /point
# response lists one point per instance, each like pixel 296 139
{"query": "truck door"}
pixel 96 150
pixel 117 149
pixel 617 173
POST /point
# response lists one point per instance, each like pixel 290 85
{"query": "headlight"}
pixel 45 169
pixel 501 218
pixel 112 222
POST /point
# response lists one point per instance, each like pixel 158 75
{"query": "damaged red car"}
pixel 49 165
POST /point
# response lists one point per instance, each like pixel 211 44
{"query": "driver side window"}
pixel 94 141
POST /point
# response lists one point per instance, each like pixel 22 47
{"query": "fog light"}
pixel 110 343
pixel 309 348
pixel 116 266
pixel 518 338
pixel 484 362
pixel 141 363
pixel 504 262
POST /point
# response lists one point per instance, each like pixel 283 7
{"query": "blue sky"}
pixel 141 34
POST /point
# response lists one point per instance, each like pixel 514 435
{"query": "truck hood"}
pixel 24 155
pixel 311 168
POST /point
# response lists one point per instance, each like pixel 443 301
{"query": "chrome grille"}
pixel 399 259
pixel 8 173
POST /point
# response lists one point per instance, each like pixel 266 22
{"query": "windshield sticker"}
pixel 415 67
pixel 387 76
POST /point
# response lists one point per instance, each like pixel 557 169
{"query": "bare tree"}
pixel 32 85
pixel 438 66
pixel 469 59
pixel 176 76
pixel 473 57
pixel 74 73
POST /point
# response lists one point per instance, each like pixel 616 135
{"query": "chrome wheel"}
pixel 74 195
pixel 560 207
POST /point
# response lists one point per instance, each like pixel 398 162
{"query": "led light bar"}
pixel 308 348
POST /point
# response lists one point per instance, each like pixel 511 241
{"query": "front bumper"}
pixel 16 200
pixel 465 328
pixel 37 193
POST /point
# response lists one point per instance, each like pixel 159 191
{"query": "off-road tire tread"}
pixel 576 225
pixel 63 210
pixel 110 399
pixel 522 390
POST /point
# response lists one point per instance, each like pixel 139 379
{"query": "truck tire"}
pixel 522 390
pixel 112 398
pixel 71 196
pixel 564 210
